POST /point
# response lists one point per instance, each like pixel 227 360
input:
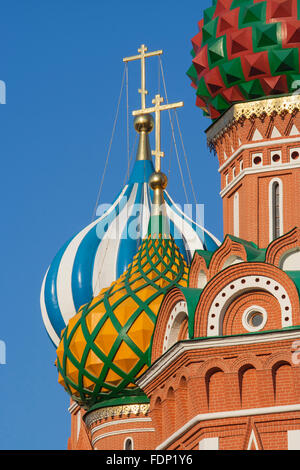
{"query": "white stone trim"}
pixel 234 288
pixel 128 439
pixel 256 308
pixel 209 443
pixel 294 439
pixel 271 203
pixel 236 214
pixel 226 414
pixel 252 171
pixel 119 421
pixel 122 431
pixel 170 330
pixel 195 345
pixel 266 143
pixel 74 407
pixel 252 439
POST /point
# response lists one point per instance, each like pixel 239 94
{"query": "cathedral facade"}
pixel 173 340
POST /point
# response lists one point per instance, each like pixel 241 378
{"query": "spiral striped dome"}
pixel 101 252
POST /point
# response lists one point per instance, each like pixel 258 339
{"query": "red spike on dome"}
pixel 292 33
pixel 274 85
pixel 256 65
pixel 196 41
pixel 228 20
pixel 222 6
pixel 214 81
pixel 281 9
pixel 201 103
pixel 241 42
pixel 233 94
pixel 200 61
pixel 214 114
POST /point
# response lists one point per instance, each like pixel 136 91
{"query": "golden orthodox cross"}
pixel 157 108
pixel 143 55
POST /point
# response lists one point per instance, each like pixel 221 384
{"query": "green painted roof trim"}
pixel 254 254
pixel 192 296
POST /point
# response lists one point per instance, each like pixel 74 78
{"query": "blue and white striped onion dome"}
pixel 101 252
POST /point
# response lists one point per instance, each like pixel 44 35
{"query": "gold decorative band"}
pixel 265 107
pixel 112 411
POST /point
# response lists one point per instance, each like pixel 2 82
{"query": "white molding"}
pixel 262 169
pixel 236 214
pixel 226 414
pixel 119 421
pixel 293 439
pixel 252 439
pixel 271 203
pixel 266 143
pixel 254 308
pixel 218 342
pixel 122 431
pixel 173 326
pixel 209 443
pixel 228 293
pixel 74 407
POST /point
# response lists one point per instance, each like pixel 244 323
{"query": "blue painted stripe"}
pixel 82 273
pixel 131 240
pixel 50 294
pixel 141 171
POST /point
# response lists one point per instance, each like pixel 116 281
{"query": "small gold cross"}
pixel 157 108
pixel 143 54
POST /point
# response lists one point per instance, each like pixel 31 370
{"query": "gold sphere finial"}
pixel 158 180
pixel 144 123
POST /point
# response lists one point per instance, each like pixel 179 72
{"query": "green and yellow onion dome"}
pixel 107 344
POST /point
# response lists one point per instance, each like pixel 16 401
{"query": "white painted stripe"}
pixel 146 211
pixel 257 145
pixel 64 275
pixel 190 235
pixel 226 414
pixel 123 431
pixel 220 342
pixel 49 327
pixel 119 421
pixel 104 272
pixel 252 171
pixel 218 243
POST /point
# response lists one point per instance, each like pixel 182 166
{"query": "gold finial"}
pixel 157 108
pixel 143 54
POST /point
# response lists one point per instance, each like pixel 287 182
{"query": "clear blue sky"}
pixel 61 61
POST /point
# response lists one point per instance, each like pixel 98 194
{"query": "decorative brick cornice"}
pixel 278 247
pixel 198 264
pixel 113 411
pixel 228 248
pixel 171 299
pixel 239 112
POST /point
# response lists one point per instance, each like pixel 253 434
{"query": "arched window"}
pixel 128 444
pixel 275 208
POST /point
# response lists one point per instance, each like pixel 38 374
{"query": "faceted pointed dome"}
pixel 241 45
pixel 101 252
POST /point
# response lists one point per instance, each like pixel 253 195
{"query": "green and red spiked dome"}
pixel 245 50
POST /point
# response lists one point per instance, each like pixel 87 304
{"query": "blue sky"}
pixel 62 64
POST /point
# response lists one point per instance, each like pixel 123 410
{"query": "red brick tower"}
pixel 258 147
